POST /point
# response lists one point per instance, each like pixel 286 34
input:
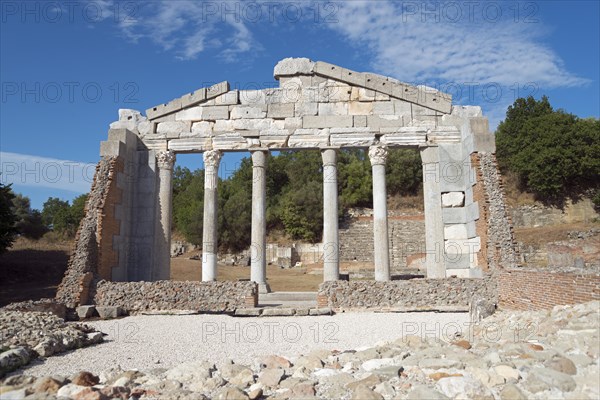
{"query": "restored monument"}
pixel 317 106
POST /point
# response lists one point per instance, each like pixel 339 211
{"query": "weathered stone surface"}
pixel 173 295
pixel 85 311
pixel 293 66
pixel 271 376
pixel 108 312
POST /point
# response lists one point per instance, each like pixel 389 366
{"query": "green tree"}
pixel 51 208
pixel 555 155
pixel 28 221
pixel 8 218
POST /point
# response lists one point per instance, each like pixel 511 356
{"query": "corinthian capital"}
pixel 378 154
pixel 165 159
pixel 212 159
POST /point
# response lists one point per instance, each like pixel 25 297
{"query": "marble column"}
pixel 331 245
pixel 258 247
pixel 209 231
pixel 378 156
pixel 162 270
pixel 434 225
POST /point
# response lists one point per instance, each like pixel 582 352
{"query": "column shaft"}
pixel 331 245
pixel 258 247
pixel 378 157
pixel 162 269
pixel 209 231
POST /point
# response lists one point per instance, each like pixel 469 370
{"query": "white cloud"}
pixel 35 171
pixel 186 28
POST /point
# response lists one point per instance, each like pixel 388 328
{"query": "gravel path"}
pixel 146 342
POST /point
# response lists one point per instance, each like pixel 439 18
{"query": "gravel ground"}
pixel 146 342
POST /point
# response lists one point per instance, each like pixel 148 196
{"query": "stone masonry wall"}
pixel 501 245
pixel 83 264
pixel 406 232
pixel 135 297
pixel 544 289
pixel 413 293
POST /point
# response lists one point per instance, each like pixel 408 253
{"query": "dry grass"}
pixel 545 234
pixel 287 280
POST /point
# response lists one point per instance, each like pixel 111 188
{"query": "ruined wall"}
pixel 539 289
pixel 501 246
pixel 410 294
pixel 406 233
pixel 86 256
pixel 135 297
pixel 536 215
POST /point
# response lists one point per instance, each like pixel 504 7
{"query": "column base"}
pixel 263 288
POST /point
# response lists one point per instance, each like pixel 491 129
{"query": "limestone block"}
pixel 309 138
pixel 217 89
pixel 244 111
pixel 252 124
pixel 193 98
pixel 338 108
pixel 229 141
pixel 327 121
pixel 84 312
pixel 190 144
pixel 295 82
pixel 223 125
pixel 203 128
pixel 418 110
pixel 328 70
pixel 282 95
pixel 228 98
pixel 334 93
pixel 462 246
pixel 113 148
pixel 155 144
pixel 164 109
pixel 172 127
pixel 145 127
pixel 444 134
pixel 293 123
pixel 453 199
pixel 383 107
pixel 352 77
pixel 357 139
pixel 457 215
pixel 129 125
pixel 215 112
pixel 109 312
pixel 249 134
pixel 398 137
pixel 402 107
pixel 189 114
pixel 293 66
pixel 378 83
pixel 306 108
pixel 360 121
pixel 455 231
pixel 278 124
pixel 378 121
pixel 362 94
pixel 274 137
pixel 360 108
pixel 283 110
pixel 252 97
pixel 381 97
pixel 458 261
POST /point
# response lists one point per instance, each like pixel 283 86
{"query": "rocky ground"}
pixel 27 335
pixel 510 355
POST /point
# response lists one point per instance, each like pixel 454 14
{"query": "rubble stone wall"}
pixel 413 293
pixel 135 297
pixel 84 262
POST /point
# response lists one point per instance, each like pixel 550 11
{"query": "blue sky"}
pixel 67 67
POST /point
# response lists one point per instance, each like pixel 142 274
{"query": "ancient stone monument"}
pixel 317 106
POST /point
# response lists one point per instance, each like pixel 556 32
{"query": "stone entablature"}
pixel 317 106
